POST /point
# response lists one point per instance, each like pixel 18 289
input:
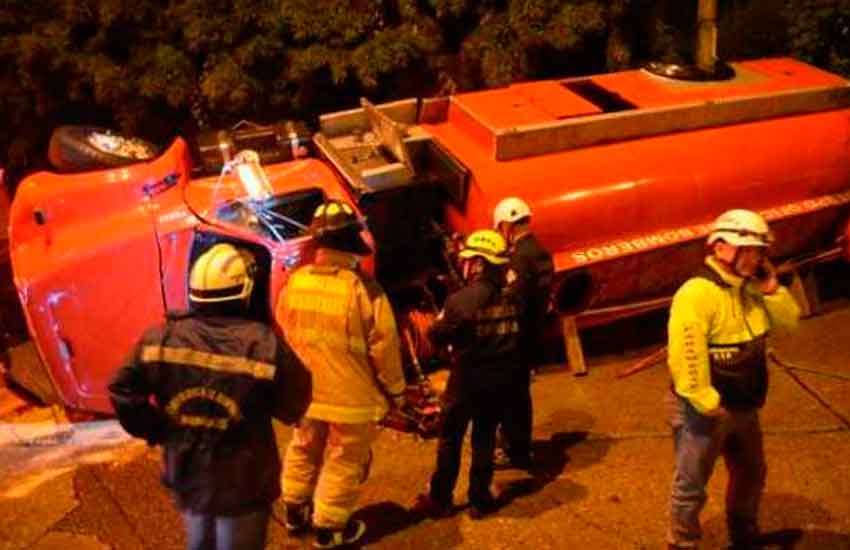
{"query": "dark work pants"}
pixel 517 419
pixel 482 410
pixel 208 532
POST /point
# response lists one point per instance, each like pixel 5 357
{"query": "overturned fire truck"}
pixel 623 172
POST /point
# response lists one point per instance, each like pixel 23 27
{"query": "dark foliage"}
pixel 159 68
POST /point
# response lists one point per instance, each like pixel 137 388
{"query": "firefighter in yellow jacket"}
pixel 341 325
pixel 719 322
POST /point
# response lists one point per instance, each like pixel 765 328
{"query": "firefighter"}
pixel 480 323
pixel 532 267
pixel 339 321
pixel 719 321
pixel 204 386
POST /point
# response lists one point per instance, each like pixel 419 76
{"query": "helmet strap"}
pixel 505 229
pixel 730 264
pixel 472 268
pixel 735 259
pixel 520 230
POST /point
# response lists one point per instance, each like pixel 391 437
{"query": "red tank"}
pixel 625 171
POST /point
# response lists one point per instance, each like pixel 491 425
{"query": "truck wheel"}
pixel 79 148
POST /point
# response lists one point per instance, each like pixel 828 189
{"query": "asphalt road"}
pixel 602 443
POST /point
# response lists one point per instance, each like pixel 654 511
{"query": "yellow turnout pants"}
pixel 327 462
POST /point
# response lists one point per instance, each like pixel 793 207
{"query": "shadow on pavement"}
pixel 817 539
pixel 799 539
pixel 383 519
pixel 780 515
pixel 387 518
pixel 551 459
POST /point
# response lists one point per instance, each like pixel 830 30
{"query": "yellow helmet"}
pixel 337 225
pixel 487 244
pixel 222 273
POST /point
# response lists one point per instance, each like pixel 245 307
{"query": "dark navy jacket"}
pixel 534 270
pixel 481 322
pixel 206 389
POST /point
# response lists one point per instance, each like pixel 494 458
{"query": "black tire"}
pixel 722 71
pixel 71 150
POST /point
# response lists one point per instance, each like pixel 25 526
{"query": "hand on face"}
pixel 751 262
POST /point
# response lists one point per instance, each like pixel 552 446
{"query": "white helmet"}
pixel 511 210
pixel 741 228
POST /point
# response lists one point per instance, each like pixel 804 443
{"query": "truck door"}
pixel 87 268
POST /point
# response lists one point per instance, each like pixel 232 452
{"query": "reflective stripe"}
pixel 498 328
pixel 205 360
pixel 500 311
pixel 346 414
pixel 329 340
pixel 175 404
pixel 318 283
pixel 322 302
pixel 497 320
pixel 191 421
pixel 319 302
pixel 329 515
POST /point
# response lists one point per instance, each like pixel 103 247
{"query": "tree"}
pixel 158 68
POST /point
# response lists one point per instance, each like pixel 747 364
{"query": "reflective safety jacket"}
pixel 717 331
pixel 481 323
pixel 205 388
pixel 341 325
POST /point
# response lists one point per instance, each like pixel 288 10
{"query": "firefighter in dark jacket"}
pixel 204 386
pixel 480 323
pixel 532 268
pixel 719 323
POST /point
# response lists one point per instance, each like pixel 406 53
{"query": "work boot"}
pixel 297 517
pixel 743 534
pixel 482 507
pixel 785 538
pixel 337 538
pixel 427 506
pixel 502 461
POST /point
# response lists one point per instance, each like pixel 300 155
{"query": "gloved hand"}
pixel 717 412
pixel 399 401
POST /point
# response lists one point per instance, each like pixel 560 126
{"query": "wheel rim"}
pixel 121 146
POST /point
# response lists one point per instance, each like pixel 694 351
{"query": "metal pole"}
pixel 707 35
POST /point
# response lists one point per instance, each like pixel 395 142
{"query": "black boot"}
pixel 337 538
pixel 482 507
pixel 427 507
pixel 297 517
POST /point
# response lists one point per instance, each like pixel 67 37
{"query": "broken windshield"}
pixel 280 218
pixel 243 194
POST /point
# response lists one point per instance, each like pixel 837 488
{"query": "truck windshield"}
pixel 279 217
